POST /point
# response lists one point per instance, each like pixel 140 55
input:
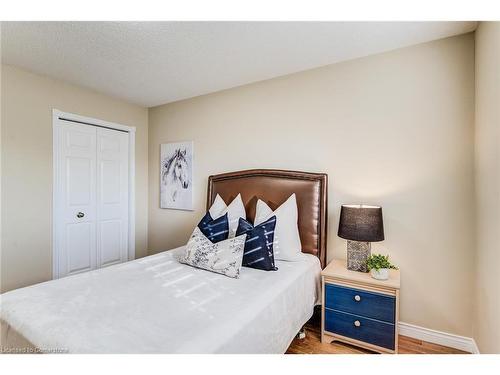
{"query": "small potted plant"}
pixel 379 266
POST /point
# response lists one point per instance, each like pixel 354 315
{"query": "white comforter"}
pixel 157 305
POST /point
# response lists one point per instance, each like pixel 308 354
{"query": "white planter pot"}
pixel 381 274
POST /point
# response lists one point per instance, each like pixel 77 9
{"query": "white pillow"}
pixel 234 211
pixel 224 257
pixel 286 245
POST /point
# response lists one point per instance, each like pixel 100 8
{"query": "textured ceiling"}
pixel 151 63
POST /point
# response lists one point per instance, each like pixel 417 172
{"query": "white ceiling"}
pixel 151 63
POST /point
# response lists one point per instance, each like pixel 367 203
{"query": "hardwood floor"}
pixel 312 345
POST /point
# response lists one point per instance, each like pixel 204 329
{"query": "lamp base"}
pixel 357 255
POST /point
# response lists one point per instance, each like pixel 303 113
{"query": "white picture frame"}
pixel 176 175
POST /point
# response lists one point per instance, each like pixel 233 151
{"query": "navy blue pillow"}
pixel 258 251
pixel 215 230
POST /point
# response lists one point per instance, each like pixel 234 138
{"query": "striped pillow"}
pixel 258 251
pixel 215 230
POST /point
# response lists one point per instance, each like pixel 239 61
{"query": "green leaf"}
pixel 378 261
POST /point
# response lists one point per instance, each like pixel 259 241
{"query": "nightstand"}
pixel 358 309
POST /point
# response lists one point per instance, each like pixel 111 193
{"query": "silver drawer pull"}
pixel 357 298
pixel 357 323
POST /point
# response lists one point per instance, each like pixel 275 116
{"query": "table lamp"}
pixel 360 225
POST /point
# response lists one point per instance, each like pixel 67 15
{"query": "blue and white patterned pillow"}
pixel 215 230
pixel 259 244
pixel 223 257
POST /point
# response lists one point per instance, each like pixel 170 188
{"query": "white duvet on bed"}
pixel 158 305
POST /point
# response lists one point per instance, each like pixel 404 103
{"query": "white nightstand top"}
pixel 338 269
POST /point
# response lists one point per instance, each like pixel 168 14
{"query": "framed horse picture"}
pixel 176 175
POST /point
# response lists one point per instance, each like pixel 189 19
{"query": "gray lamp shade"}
pixel 361 223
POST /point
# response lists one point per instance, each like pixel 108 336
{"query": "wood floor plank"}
pixel 411 339
pixel 312 344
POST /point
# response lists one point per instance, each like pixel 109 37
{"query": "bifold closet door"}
pixel 112 197
pixel 75 198
pixel 91 197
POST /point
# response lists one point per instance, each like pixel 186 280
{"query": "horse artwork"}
pixel 176 175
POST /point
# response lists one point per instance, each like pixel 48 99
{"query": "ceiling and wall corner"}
pixel 153 63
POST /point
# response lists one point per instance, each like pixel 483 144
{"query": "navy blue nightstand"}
pixel 360 310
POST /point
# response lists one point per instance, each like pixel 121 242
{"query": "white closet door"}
pixel 112 196
pixel 75 198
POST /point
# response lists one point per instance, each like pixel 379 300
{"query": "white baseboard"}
pixel 467 344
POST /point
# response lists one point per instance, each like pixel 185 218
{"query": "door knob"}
pixel 80 215
pixel 357 298
pixel 357 323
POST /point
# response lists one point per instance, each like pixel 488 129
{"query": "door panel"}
pixel 110 181
pixel 79 247
pixel 111 241
pixel 79 138
pixel 112 196
pixel 79 186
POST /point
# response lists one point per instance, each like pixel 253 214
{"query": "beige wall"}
pixel 394 129
pixel 487 307
pixel 27 103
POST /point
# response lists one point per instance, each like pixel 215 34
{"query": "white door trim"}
pixel 57 115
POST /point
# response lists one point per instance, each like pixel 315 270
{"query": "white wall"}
pixel 395 129
pixel 487 303
pixel 27 103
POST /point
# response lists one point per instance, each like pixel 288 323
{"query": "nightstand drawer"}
pixel 358 302
pixel 359 328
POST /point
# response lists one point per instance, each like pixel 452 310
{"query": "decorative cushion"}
pixel 286 244
pixel 234 211
pixel 215 230
pixel 259 244
pixel 223 257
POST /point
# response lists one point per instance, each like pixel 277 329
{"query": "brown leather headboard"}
pixel 274 187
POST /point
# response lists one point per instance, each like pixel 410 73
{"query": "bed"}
pixel 158 305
